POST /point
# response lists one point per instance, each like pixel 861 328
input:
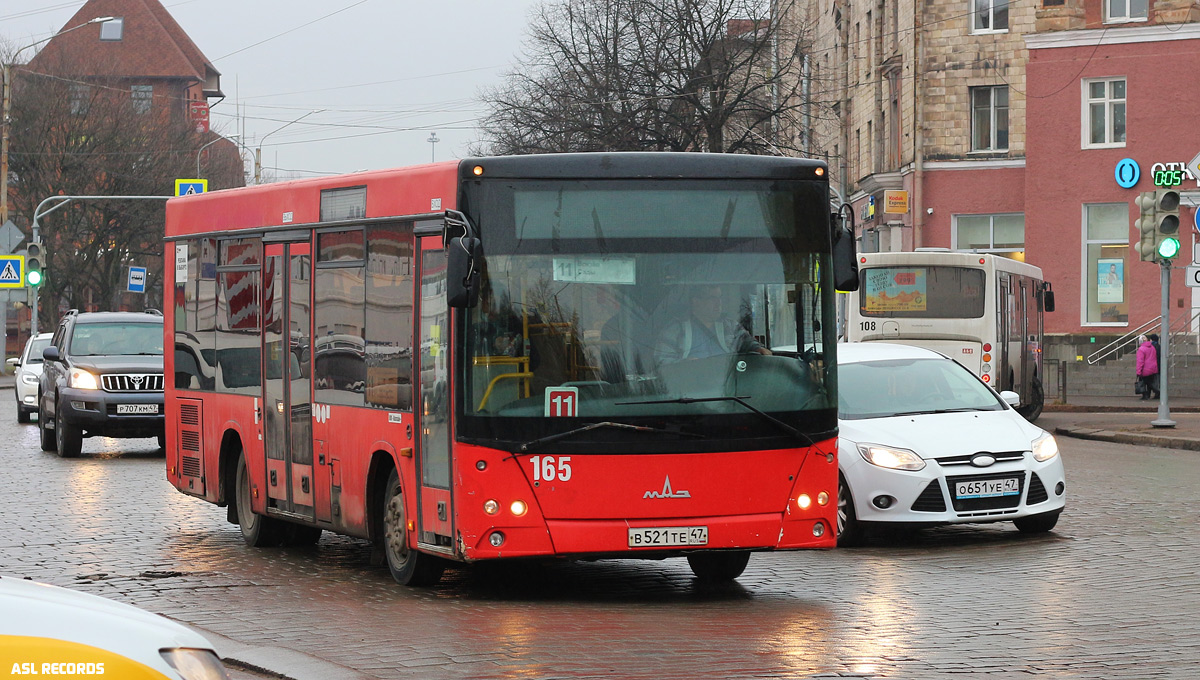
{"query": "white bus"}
pixel 985 311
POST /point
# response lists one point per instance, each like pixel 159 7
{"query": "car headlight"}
pixel 29 379
pixel 891 458
pixel 1044 448
pixel 195 664
pixel 81 379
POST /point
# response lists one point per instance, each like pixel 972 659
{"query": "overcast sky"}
pixel 383 74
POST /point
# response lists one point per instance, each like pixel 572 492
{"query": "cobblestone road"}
pixel 1112 593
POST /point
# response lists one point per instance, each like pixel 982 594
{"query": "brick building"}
pixel 1005 122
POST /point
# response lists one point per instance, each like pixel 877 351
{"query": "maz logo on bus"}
pixel 545 469
pixel 320 412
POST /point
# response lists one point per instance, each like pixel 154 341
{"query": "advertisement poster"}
pixel 1110 280
pixel 895 290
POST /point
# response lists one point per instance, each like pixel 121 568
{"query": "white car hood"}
pixel 945 434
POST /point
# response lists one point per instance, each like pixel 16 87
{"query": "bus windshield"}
pixel 933 292
pixel 695 310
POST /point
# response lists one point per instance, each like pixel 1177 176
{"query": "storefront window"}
pixel 1106 264
pixel 997 234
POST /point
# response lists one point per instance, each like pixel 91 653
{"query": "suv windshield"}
pixel 881 389
pixel 35 350
pixel 116 338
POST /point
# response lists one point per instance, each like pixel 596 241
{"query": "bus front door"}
pixel 287 388
pixel 434 510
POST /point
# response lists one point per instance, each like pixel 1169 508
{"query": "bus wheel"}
pixel 68 438
pixel 719 566
pixel 408 566
pixel 1037 524
pixel 1037 400
pixel 849 531
pixel 257 531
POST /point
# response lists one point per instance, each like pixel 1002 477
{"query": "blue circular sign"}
pixel 1127 173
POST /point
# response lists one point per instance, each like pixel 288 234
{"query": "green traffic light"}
pixel 1169 248
pixel 34 278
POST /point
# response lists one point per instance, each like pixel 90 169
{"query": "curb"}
pixel 1135 438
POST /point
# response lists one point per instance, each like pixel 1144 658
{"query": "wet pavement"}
pixel 1111 593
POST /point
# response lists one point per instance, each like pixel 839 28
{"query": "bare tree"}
pixel 75 136
pixel 657 75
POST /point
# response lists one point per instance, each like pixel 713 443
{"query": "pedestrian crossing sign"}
pixel 190 187
pixel 12 271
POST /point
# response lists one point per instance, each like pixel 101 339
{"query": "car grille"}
pixel 132 382
pixel 1000 456
pixel 975 505
pixel 1037 491
pixel 931 499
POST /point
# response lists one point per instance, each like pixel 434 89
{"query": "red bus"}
pixel 579 356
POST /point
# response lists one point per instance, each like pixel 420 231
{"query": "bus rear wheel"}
pixel 719 566
pixel 257 531
pixel 408 566
pixel 1037 401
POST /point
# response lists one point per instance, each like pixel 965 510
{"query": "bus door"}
pixel 287 388
pixel 434 509
pixel 1025 366
pixel 1004 303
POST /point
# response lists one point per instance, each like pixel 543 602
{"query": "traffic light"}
pixel 33 264
pixel 1158 224
pixel 1147 226
pixel 1166 217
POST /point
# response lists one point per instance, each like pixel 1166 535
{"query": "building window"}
pixel 1002 234
pixel 113 29
pixel 991 16
pixel 1126 10
pixel 1106 264
pixel 1104 112
pixel 81 99
pixel 989 118
pixel 143 97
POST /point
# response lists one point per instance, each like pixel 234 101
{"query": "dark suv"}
pixel 102 377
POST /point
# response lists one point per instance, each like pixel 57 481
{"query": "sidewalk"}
pixel 1125 420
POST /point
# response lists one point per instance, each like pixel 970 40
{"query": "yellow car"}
pixel 53 632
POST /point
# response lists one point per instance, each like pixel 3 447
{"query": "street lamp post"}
pixel 218 139
pixel 258 149
pixel 6 107
pixel 433 140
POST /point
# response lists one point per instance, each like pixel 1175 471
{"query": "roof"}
pixel 859 352
pixel 152 45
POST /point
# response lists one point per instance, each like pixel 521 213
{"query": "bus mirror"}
pixel 1048 299
pixel 463 255
pixel 845 261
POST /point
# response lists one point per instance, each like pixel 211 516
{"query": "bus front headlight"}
pixel 195 664
pixel 1044 448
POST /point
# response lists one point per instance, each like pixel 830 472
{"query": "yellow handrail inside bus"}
pixel 504 376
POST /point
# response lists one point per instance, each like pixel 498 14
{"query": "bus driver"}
pixel 705 333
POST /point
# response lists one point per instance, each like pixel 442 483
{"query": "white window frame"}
pixel 1086 113
pixel 1126 18
pixel 954 245
pixel 1084 265
pixel 991 13
pixel 142 97
pixel 993 146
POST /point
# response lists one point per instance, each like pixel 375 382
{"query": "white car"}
pixel 49 631
pixel 925 442
pixel 28 368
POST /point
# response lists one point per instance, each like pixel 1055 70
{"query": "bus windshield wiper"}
pixel 595 426
pixel 740 400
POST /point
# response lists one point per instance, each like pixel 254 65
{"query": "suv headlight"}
pixel 195 664
pixel 1044 448
pixel 82 380
pixel 891 458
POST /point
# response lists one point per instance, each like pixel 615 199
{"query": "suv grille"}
pixel 132 382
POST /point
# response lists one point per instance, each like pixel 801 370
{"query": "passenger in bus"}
pixel 705 332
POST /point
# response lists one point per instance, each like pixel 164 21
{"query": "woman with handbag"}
pixel 1147 367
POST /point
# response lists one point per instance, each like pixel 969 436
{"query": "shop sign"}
pixel 895 202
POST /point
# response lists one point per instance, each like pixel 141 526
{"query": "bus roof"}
pixel 432 188
pixel 950 259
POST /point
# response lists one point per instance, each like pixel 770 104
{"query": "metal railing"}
pixel 1117 345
